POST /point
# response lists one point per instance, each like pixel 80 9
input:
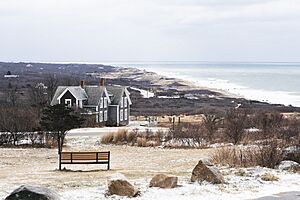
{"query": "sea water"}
pixel 269 82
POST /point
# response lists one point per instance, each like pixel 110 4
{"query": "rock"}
pixel 28 192
pixel 204 171
pixel 163 181
pixel 292 153
pixel 289 165
pixel 119 185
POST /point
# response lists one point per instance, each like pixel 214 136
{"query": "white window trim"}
pixel 125 114
pixel 105 115
pixel 118 115
pixel 97 116
pixel 101 116
pixel 125 102
pixel 101 102
pixel 122 102
pixel 121 115
pixel 105 102
pixel 68 102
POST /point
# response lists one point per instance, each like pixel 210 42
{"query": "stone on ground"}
pixel 205 171
pixel 119 185
pixel 292 153
pixel 289 165
pixel 29 192
pixel 164 181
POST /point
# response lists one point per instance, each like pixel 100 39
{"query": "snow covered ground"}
pixel 144 93
pixel 140 125
pixel 139 165
pixel 249 186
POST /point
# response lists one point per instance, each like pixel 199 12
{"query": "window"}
pixel 125 114
pixel 101 102
pixel 68 102
pixel 121 115
pixel 101 116
pixel 125 102
pixel 105 115
pixel 105 102
pixel 122 100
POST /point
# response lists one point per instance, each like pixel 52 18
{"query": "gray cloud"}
pixel 93 30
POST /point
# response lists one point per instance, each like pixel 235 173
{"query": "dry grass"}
pixel 269 177
pixel 268 155
pixel 132 138
pixel 107 139
pixel 120 137
pixel 141 142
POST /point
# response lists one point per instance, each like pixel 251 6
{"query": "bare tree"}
pixel 70 80
pixel 268 122
pixel 51 83
pixel 38 97
pixel 210 122
pixel 12 96
pixel 17 121
pixel 234 125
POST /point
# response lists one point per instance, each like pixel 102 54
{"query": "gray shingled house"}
pixel 109 104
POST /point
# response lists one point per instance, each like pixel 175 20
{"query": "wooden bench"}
pixel 84 158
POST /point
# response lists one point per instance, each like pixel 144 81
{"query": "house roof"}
pixel 116 93
pixel 76 91
pixel 94 94
pixel 58 92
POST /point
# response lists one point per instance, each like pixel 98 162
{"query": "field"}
pixel 39 167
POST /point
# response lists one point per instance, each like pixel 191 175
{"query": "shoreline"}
pixel 163 80
pixel 234 91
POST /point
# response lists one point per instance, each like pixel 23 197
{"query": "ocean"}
pixel 268 82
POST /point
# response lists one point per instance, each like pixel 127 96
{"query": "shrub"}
pixel 131 137
pixel 269 177
pixel 120 136
pixel 234 125
pixel 267 154
pixel 141 142
pixel 107 139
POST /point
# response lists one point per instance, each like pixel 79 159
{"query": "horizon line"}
pixel 144 61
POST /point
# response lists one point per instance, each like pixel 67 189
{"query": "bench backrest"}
pixel 94 156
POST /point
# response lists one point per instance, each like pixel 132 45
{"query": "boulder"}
pixel 205 171
pixel 292 153
pixel 29 192
pixel 119 185
pixel 289 165
pixel 163 181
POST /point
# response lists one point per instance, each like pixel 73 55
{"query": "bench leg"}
pixel 108 167
pixel 59 167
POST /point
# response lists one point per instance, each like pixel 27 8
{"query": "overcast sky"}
pixel 149 30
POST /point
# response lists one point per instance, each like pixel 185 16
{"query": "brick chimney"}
pixel 102 82
pixel 82 83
